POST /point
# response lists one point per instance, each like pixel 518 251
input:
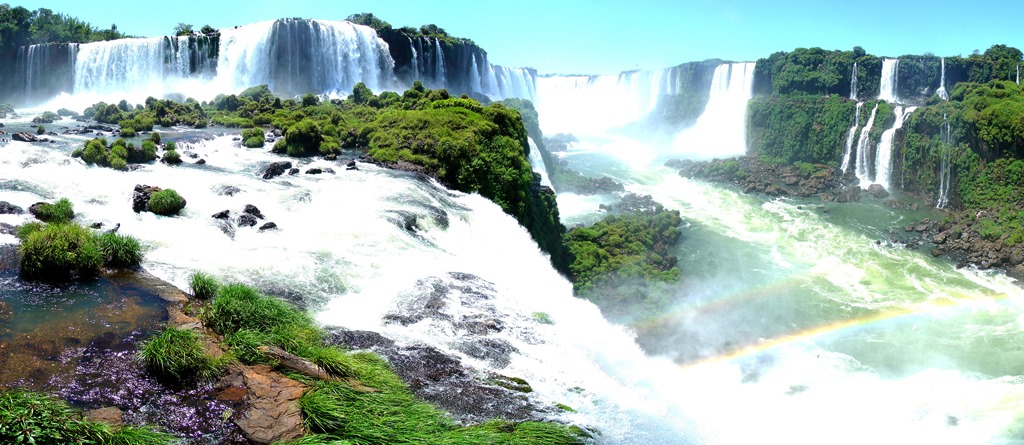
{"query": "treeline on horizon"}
pixel 20 27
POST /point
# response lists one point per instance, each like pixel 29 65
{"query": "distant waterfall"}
pixel 537 162
pixel 945 168
pixel 890 81
pixel 721 130
pixel 415 57
pixel 851 135
pixel 883 158
pixel 942 82
pixel 863 170
pixel 1018 74
pixel 44 70
pixel 142 67
pixel 853 82
pixel 439 76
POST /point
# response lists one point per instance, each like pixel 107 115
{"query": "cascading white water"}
pixel 942 81
pixel 863 149
pixel 883 156
pixel 945 173
pixel 439 76
pixel 731 89
pixel 415 58
pixel 890 81
pixel 1018 74
pixel 567 99
pixel 853 82
pixel 851 136
pixel 475 77
pixel 538 164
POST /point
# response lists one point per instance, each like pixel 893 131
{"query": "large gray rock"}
pixel 877 191
pixel 849 194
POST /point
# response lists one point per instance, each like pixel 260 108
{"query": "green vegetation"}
pixel 618 261
pixel 58 212
pixel 178 354
pixel 788 129
pixel 203 286
pixel 116 155
pixel 171 157
pixel 253 137
pixel 370 405
pixel 33 418
pixel 62 250
pixel 166 202
pixel 20 26
pixel 40 130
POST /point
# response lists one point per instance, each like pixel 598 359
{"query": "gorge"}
pixel 797 319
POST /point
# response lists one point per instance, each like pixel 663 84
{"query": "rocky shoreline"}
pixel 958 236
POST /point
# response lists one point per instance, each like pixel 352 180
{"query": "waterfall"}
pixel 863 148
pixel 474 77
pixel 883 157
pixel 946 145
pixel 888 90
pixel 851 135
pixel 731 89
pixel 853 82
pixel 415 60
pixel 1018 74
pixel 439 76
pixel 44 71
pixel 942 82
pixel 538 164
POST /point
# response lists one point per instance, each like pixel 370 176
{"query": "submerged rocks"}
pixel 276 169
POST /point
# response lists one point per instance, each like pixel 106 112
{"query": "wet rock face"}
pixel 7 208
pixel 276 169
pixel 267 403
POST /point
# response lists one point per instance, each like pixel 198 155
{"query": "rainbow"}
pixel 931 307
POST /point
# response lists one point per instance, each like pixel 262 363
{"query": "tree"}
pixel 182 29
pixel 368 19
pixel 207 29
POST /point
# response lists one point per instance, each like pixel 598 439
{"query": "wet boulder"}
pixel 141 195
pixel 849 194
pixel 253 210
pixel 7 208
pixel 276 169
pixel 877 191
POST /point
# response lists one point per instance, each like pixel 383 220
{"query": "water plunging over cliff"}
pixel 942 81
pixel 890 81
pixel 851 136
pixel 883 156
pixel 731 89
pixel 853 82
pixel 863 170
pixel 537 162
pixel 945 173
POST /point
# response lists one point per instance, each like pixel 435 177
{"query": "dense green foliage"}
pixel 166 202
pixel 788 129
pixel 817 71
pixel 178 354
pixel 33 418
pixel 116 155
pixel 19 27
pixel 616 259
pixel 253 137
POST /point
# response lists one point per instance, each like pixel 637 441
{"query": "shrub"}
pixel 166 202
pixel 171 157
pixel 253 137
pixel 95 152
pixel 303 138
pixel 128 132
pixel 120 251
pixel 155 137
pixel 40 130
pixel 59 252
pixel 204 287
pixel 176 354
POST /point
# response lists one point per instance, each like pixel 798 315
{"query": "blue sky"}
pixel 607 36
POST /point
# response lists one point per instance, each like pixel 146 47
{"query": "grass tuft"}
pixel 204 286
pixel 178 354
pixel 120 251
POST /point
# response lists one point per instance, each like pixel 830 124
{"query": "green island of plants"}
pixel 62 250
pixel 619 261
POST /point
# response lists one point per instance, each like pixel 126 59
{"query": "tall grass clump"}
pixel 58 252
pixel 58 212
pixel 120 251
pixel 204 287
pixel 178 354
pixel 33 418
